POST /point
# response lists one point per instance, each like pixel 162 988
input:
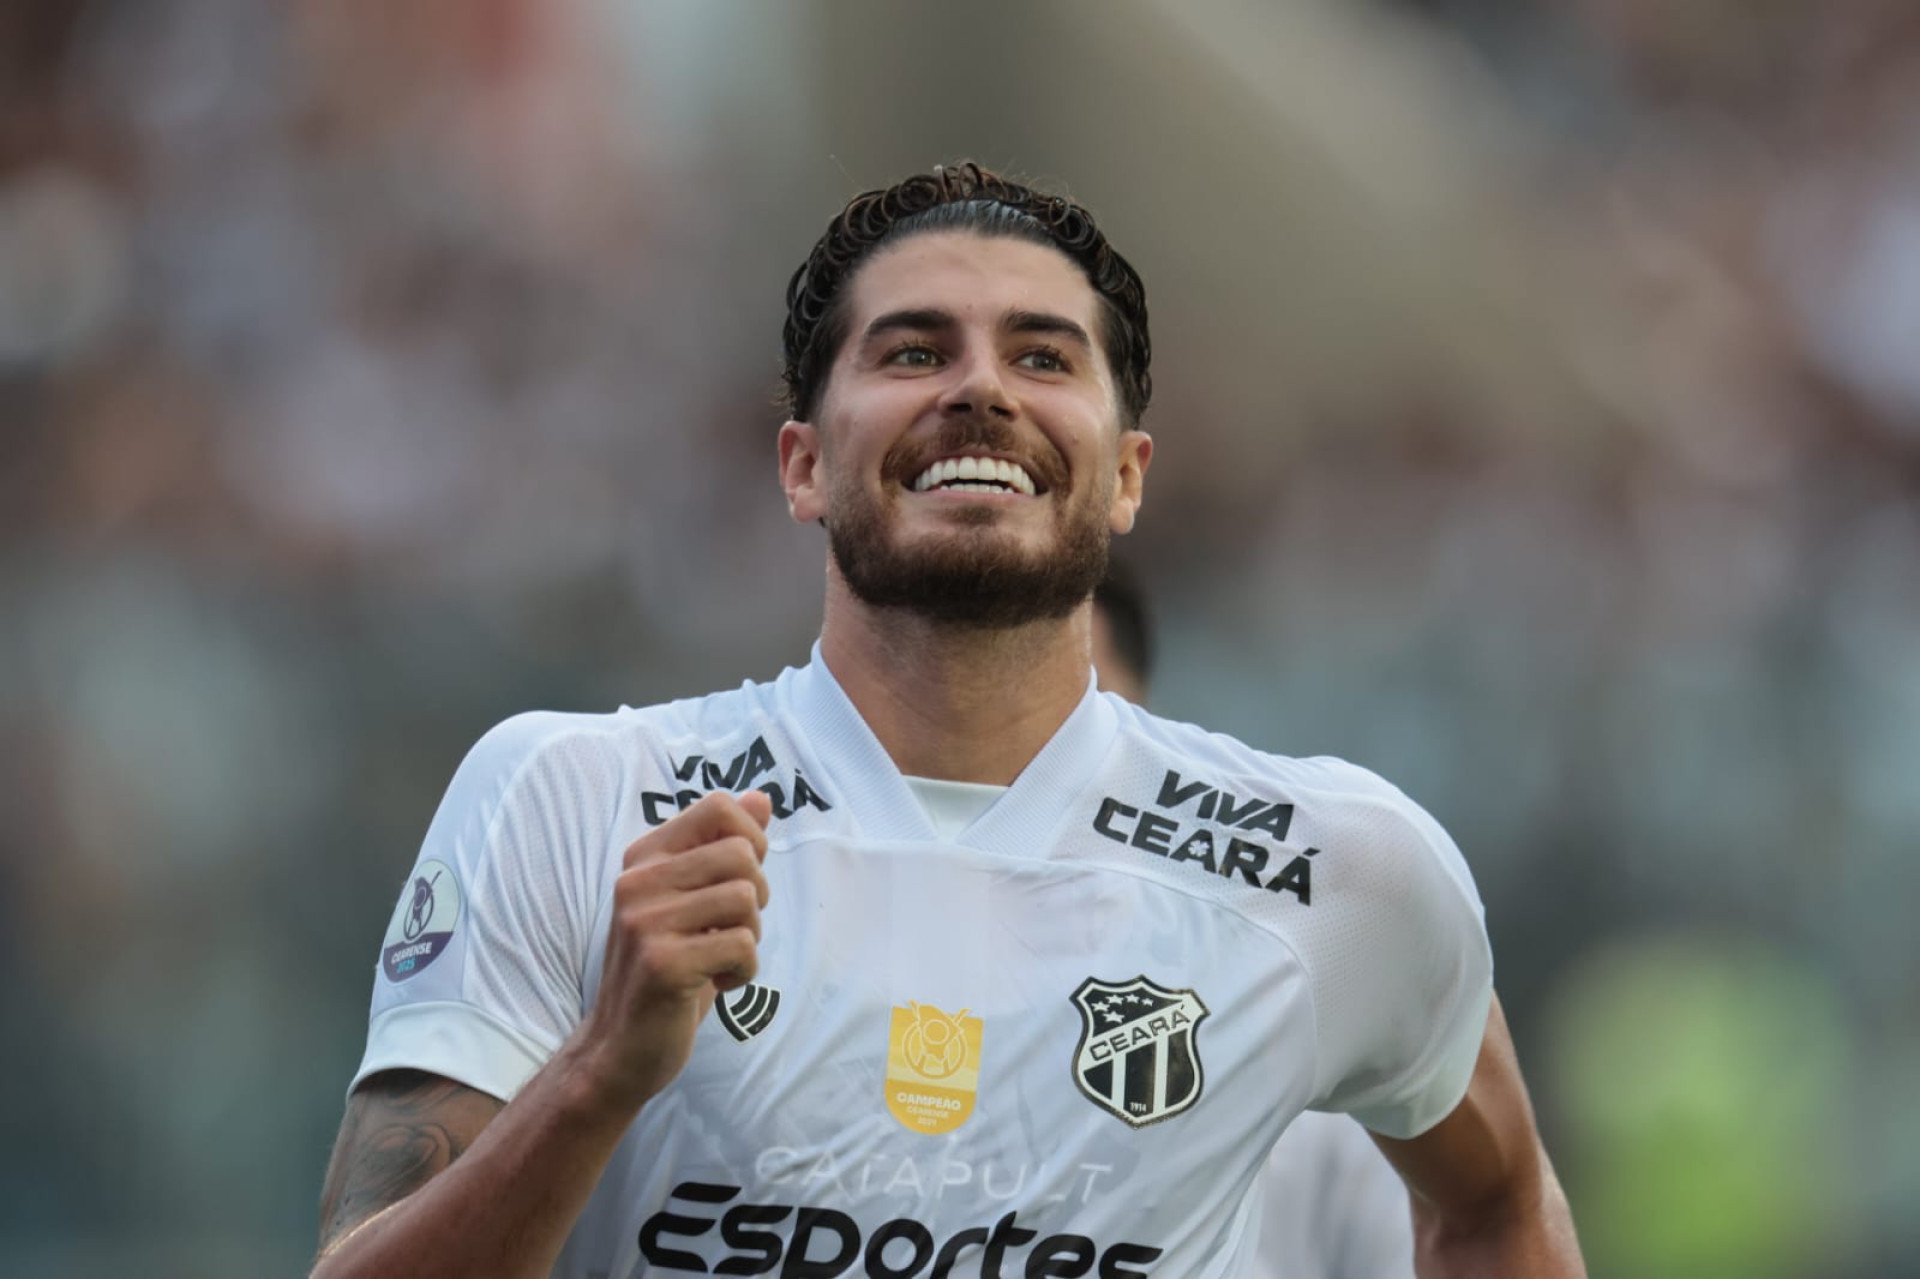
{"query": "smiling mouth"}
pixel 975 475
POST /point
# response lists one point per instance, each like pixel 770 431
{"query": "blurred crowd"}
pixel 1539 424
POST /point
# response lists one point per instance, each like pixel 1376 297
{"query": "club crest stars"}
pixel 1137 1058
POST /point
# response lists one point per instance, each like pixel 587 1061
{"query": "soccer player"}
pixel 1330 1204
pixel 926 958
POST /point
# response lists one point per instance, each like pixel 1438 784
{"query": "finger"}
pixel 658 874
pixel 732 979
pixel 759 806
pixel 730 958
pixel 728 859
pixel 715 815
pixel 717 907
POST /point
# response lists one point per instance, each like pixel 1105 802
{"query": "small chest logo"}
pixel 423 921
pixel 747 1011
pixel 1137 1058
pixel 933 1067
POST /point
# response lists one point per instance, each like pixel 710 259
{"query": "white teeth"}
pixel 1013 477
pixel 964 473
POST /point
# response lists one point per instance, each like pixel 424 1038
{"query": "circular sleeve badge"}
pixel 423 922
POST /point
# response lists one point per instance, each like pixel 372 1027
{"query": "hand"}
pixel 686 925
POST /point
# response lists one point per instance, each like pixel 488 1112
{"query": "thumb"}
pixel 759 806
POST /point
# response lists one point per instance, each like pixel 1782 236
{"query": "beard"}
pixel 970 577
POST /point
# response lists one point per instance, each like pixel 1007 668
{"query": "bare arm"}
pixel 430 1178
pixel 402 1128
pixel 1486 1202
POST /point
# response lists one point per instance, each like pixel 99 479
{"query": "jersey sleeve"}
pixel 1401 971
pixel 480 974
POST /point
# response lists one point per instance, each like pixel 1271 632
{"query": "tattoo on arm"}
pixel 402 1128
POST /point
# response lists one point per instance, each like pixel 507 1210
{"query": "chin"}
pixel 981 581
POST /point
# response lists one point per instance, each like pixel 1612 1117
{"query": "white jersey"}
pixel 1332 1207
pixel 1062 1043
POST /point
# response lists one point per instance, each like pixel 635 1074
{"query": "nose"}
pixel 979 390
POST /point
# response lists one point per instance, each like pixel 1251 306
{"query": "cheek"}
pixel 1080 421
pixel 1087 444
pixel 864 428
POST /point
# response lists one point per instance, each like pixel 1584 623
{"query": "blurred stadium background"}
pixel 1539 421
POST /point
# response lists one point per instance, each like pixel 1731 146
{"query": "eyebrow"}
pixel 933 319
pixel 913 320
pixel 1046 322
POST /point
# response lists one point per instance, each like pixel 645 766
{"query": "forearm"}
pixel 504 1206
pixel 1527 1235
pixel 430 1178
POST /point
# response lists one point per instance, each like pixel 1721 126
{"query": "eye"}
pixel 913 355
pixel 1044 359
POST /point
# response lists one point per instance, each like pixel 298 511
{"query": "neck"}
pixel 950 702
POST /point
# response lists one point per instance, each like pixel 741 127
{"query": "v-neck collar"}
pixel 881 806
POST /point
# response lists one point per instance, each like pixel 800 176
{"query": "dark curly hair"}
pixel 962 197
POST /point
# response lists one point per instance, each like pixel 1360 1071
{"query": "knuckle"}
pixel 738 851
pixel 740 951
pixel 669 959
pixel 635 921
pixel 653 954
pixel 637 883
pixel 756 834
pixel 637 849
pixel 714 801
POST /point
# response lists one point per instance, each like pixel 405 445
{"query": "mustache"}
pixel 975 433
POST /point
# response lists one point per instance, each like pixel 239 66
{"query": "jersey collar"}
pixel 846 754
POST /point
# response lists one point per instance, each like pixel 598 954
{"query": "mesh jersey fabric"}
pixel 1272 934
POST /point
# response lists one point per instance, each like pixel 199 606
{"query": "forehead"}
pixel 974 277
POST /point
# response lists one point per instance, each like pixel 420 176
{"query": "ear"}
pixel 1136 453
pixel 801 475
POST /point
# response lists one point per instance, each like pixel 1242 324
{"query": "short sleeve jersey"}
pixel 1061 1043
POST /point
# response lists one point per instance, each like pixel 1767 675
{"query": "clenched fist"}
pixel 686 924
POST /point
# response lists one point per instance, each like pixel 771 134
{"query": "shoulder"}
pixel 1370 893
pixel 539 751
pixel 1224 753
pixel 1321 830
pixel 1340 795
pixel 530 735
pixel 713 715
pixel 572 760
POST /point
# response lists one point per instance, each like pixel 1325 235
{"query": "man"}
pixel 926 959
pixel 1330 1205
